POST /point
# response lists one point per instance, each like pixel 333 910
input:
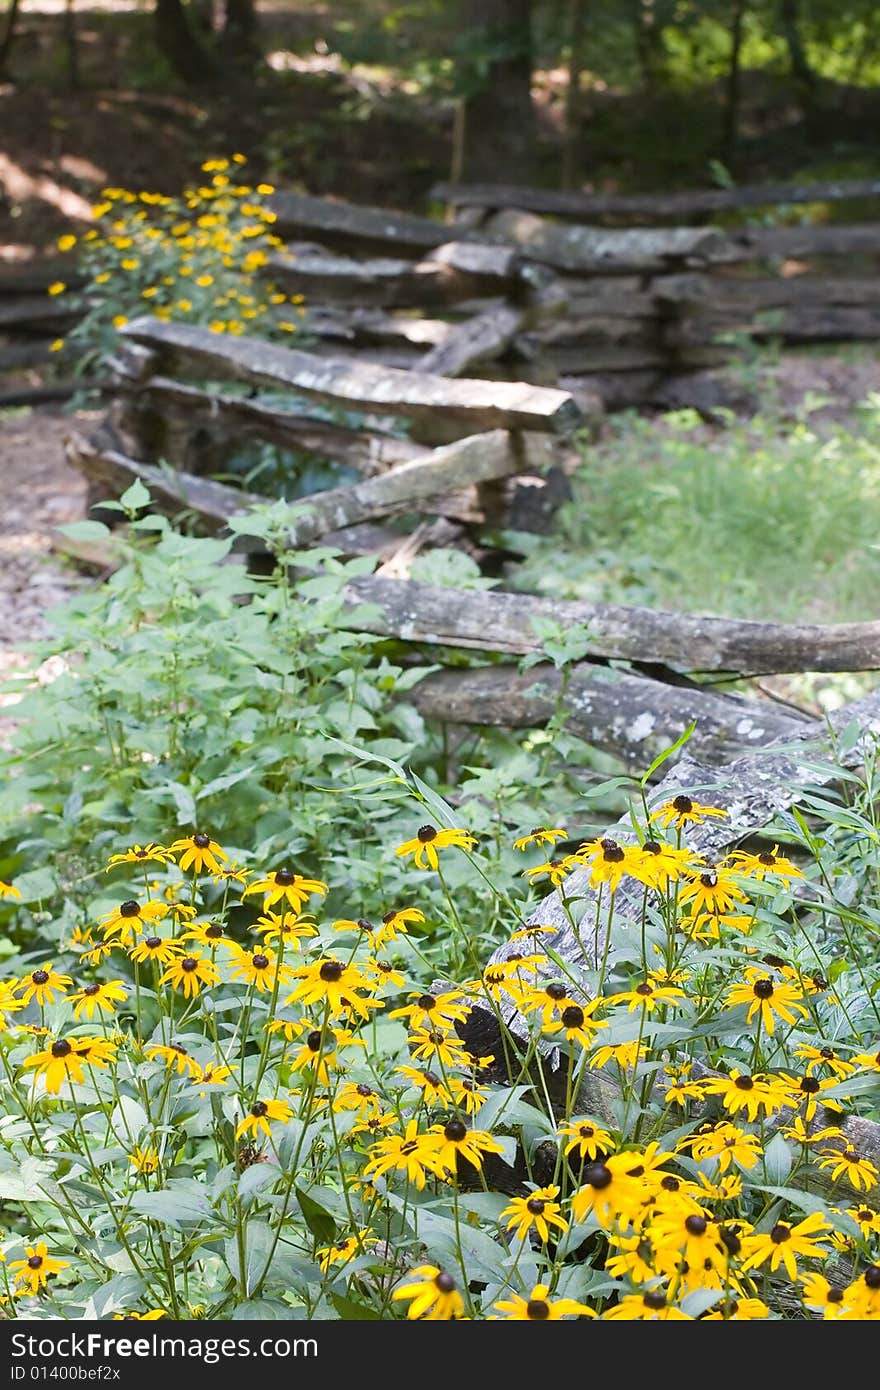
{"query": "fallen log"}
pixel 452 272
pixel 613 710
pixel 509 623
pixel 609 252
pixel 793 323
pixel 695 202
pixel 794 242
pixel 350 226
pixel 409 487
pixel 476 340
pixel 467 404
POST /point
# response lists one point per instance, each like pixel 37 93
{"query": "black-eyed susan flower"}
pixel 198 852
pixel 232 873
pixel 95 997
pixel 767 999
pixel 292 930
pixel 651 1306
pixel 260 968
pixel 825 1056
pixel 386 974
pixel 785 1243
pixel 285 886
pixel 467 1095
pixel 261 1116
pixel 681 1087
pixel 649 995
pixel 320 1051
pixel 768 864
pixel 394 924
pixel 190 973
pixel 820 1296
pixel 548 1000
pixel 144 1160
pixel 373 1125
pixel 849 1164
pixel 130 919
pixel 608 861
pixel 541 835
pixel 95 954
pixel 8 890
pixel 42 985
pixel 608 1191
pixel 538 1212
pixel 866 1218
pixel 863 1295
pixel 175 1056
pixel 737 1309
pixel 434 1297
pixel 657 864
pixel 213 1074
pixel 587 1138
pixel 64 1060
pixel 342 986
pixel 359 1097
pixel 433 1010
pixel 692 1236
pixel 141 854
pixel 576 1023
pixel 725 1143
pixel 428 840
pixel 410 1153
pixel 34 1271
pixel 556 871
pixel 208 934
pixel 163 950
pixel 9 1004
pixel 753 1094
pixel 456 1144
pixel 809 1092
pixel 437 1045
pixel 682 810
pixel 356 1244
pixel 434 1089
pixel 710 890
pixel 869 1061
pixel 540 1307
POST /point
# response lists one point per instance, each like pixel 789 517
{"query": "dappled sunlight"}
pixel 19 186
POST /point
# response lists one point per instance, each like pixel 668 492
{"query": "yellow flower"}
pixel 539 1307
pixel 144 1160
pixel 435 1297
pixel 589 1140
pixel 66 243
pixel 56 288
pixel 607 860
pixel 645 1307
pixel 42 985
pixel 347 1249
pixel 92 997
pixel 433 1010
pixel 291 930
pixel 683 811
pixel 157 948
pixel 457 1144
pixel 119 320
pixel 35 1270
pixel 261 968
pixel 859 1172
pixel 261 1114
pixel 609 1191
pixel 339 985
pixel 176 1056
pixel 189 973
pixel 198 852
pixel 141 854
pixel 540 836
pixel 424 846
pixel 766 999
pixel 761 866
pixel 785 1242
pixel 285 886
pixel 56 345
pixel 64 1061
pixel 411 1153
pixel 539 1211
pixel 712 891
pixel 129 919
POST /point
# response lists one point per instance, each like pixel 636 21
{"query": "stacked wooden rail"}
pixel 30 321
pixel 624 314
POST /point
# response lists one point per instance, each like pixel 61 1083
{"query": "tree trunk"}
pixel 730 129
pixel 649 43
pixel 71 46
pixel 803 74
pixel 571 149
pixel 177 43
pixel 495 76
pixel 8 36
pixel 240 40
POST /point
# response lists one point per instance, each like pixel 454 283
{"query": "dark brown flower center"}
pixel 828 1053
pixel 189 964
pixel 431 1078
pixel 730 1240
pixel 872 1276
pixel 426 833
pixel 364 924
pixel 91 990
pixel 835 1295
pixel 643 988
pixel 611 851
pixel 201 840
pixel 696 1225
pixel 656 1300
pixel 780 1234
pixel 152 942
pixel 426 1002
pixel 670 1184
pixel 129 908
pixel 744 1083
pixel 35 1261
pixel 259 1108
pixel 598 1176
pixel 389 917
pixel 330 972
pixel 767 859
pixel 61 1048
pixel 314 1040
pixel 763 989
pixel 683 805
pixel 259 961
pixel 652 847
pixel 709 879
pixel 555 991
pixel 40 977
pixel 535 1205
pixel 445 1283
pixel 538 1308
pixel 573 1017
pixel 810 1085
pixel 284 877
pixel 455 1131
pixel 364 1090
pixel 214 932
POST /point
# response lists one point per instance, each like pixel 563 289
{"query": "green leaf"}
pixel 321 1224
pixel 351 1311
pixel 229 779
pixel 182 1203
pixel 668 752
pixel 135 497
pixel 89 531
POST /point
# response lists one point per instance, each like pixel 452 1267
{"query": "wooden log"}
pixel 37 311
pixel 35 277
pixel 357 326
pixel 228 418
pixel 798 242
pixel 350 226
pixel 720 293
pixel 475 341
pixel 420 484
pixel 599 250
pixel 693 203
pixel 621 713
pixel 453 271
pixel 791 323
pixel 469 404
pixel 503 622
